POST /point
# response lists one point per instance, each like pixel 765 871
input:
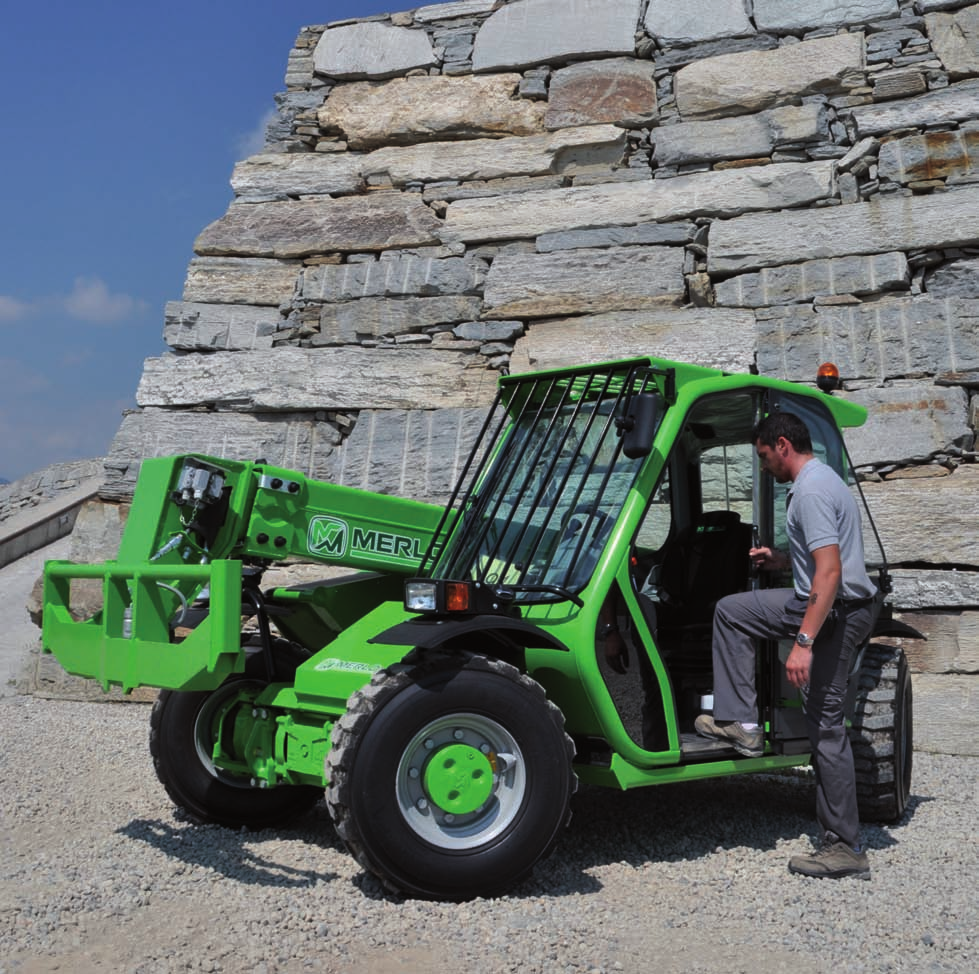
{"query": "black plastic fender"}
pixel 893 627
pixel 429 633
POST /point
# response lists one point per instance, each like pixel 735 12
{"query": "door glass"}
pixel 827 445
pixel 726 474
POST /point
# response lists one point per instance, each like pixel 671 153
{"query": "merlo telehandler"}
pixel 451 690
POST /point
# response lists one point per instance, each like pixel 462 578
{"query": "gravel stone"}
pixel 100 872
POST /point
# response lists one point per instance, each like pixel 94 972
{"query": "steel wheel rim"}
pixel 445 827
pixel 205 734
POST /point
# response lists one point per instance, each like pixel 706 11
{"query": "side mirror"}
pixel 638 426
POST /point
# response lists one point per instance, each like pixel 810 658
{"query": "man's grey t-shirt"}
pixel 822 512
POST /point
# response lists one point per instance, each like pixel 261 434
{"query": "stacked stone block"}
pixel 475 187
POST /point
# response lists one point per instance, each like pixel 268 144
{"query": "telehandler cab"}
pixel 450 693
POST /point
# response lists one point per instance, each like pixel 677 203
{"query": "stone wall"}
pixel 477 186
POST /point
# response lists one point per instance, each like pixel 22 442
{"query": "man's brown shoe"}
pixel 750 743
pixel 834 860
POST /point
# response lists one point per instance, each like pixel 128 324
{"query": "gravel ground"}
pixel 100 874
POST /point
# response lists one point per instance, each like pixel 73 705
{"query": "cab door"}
pixel 690 549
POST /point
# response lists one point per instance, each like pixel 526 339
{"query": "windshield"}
pixel 551 487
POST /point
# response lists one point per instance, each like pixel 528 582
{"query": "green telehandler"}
pixel 451 690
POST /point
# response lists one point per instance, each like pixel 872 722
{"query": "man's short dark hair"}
pixel 777 425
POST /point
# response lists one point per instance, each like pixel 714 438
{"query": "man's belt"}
pixel 855 603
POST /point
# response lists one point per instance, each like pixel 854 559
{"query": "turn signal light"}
pixel 456 597
pixel 828 377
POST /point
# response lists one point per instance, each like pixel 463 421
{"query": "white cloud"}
pixel 252 143
pixel 91 300
pixel 11 309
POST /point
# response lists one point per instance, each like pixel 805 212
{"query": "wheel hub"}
pixel 459 779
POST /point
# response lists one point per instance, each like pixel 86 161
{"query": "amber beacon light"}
pixel 828 377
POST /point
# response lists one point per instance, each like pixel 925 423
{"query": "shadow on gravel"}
pixel 687 822
pixel 880 837
pixel 668 823
pixel 225 851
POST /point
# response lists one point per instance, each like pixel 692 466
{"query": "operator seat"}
pixel 706 561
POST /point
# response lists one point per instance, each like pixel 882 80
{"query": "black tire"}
pixel 881 734
pixel 182 728
pixel 477 763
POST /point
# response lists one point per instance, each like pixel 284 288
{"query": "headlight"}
pixel 421 596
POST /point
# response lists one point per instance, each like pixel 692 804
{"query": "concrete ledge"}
pixel 43 524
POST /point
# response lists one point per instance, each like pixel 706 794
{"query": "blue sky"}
pixel 121 123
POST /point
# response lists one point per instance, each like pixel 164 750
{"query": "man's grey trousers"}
pixel 777 614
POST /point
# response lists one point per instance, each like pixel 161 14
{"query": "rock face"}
pixel 297 229
pixel 419 109
pixel 584 281
pixel 308 380
pixel 478 159
pixel 621 91
pixel 481 186
pixel 392 51
pixel 789 16
pixel 608 204
pixel 910 223
pixel 734 84
pixel 955 39
pixel 531 32
pixel 743 137
pixel 697 20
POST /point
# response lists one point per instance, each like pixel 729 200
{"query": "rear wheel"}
pixel 450 778
pixel 881 734
pixel 184 727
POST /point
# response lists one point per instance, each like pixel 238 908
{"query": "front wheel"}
pixel 184 727
pixel 450 778
pixel 881 734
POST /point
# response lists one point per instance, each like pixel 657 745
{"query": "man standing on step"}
pixel 829 613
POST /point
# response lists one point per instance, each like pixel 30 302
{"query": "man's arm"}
pixel 825 585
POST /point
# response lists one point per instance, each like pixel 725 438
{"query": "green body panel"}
pixel 265 513
pixel 314 615
pixel 132 648
pixel 622 775
pixel 281 734
pixel 325 682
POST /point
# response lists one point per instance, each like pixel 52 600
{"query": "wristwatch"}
pixel 804 640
